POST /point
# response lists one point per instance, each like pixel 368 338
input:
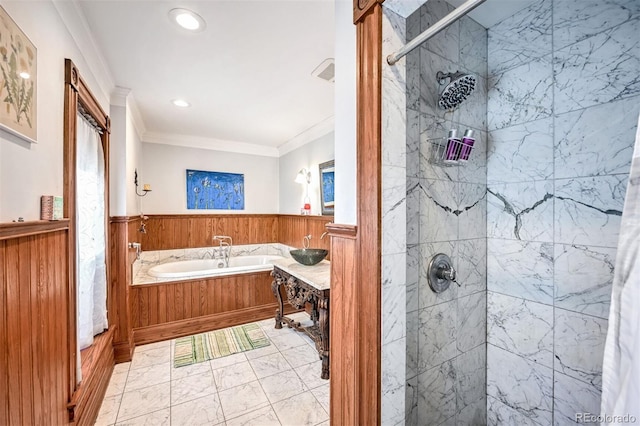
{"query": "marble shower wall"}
pixel 394 233
pixel 563 103
pixel 446 212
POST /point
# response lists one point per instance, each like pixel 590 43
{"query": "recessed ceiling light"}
pixel 24 75
pixel 181 103
pixel 187 19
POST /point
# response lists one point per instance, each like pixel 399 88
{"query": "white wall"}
pixel 134 154
pixel 345 114
pixel 164 168
pixel 308 156
pixel 28 171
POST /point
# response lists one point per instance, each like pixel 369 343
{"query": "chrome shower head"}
pixel 459 88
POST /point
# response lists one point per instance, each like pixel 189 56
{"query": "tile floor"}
pixel 279 384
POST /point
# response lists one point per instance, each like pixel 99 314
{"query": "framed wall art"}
pixel 214 190
pixel 18 84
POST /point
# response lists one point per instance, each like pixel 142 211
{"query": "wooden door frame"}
pixel 356 282
pixel 77 92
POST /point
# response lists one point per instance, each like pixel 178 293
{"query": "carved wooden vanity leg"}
pixel 275 287
pixel 323 308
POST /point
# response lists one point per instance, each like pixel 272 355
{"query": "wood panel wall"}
pixel 167 232
pixel 122 257
pixel 34 331
pixel 168 310
pixel 343 327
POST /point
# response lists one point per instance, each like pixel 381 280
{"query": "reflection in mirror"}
pixel 327 187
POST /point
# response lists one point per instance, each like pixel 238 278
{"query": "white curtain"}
pixel 621 364
pixel 90 223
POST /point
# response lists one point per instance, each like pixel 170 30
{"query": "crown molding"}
pixel 313 133
pixel 210 143
pixel 78 27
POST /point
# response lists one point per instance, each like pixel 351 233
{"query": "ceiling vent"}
pixel 326 70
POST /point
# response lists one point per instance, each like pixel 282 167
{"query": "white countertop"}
pixel 318 276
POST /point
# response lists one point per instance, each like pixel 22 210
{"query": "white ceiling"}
pixel 247 76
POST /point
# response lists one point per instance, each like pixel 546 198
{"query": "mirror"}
pixel 327 170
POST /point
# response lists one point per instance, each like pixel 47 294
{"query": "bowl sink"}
pixel 309 256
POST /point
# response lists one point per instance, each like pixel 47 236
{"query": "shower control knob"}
pixel 441 273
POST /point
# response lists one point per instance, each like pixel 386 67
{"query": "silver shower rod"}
pixel 456 14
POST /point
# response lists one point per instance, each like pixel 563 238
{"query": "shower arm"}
pixel 443 23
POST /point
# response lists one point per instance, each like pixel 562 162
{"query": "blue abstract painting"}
pixel 214 190
pixel 327 188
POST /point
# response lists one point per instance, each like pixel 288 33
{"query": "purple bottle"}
pixel 467 145
pixel 453 147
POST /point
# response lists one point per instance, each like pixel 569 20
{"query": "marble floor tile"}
pixel 310 374
pixel 234 375
pixel 206 410
pixel 151 346
pixel 157 418
pixel 287 341
pixel 261 417
pixel 192 387
pixel 300 410
pixel 197 369
pixel 269 365
pixel 117 383
pixel 109 410
pixel 144 401
pixel 282 386
pixel 300 355
pixel 147 376
pixel 228 360
pixel 122 367
pixel 322 395
pixel 151 357
pixel 242 399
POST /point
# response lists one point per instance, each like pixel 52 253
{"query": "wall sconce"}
pixel 145 188
pixel 304 176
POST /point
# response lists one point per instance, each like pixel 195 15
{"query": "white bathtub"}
pixel 209 267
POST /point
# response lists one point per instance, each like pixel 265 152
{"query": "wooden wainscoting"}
pixel 343 326
pixel 34 328
pixel 168 310
pixel 166 232
pixel 293 228
pixel 121 228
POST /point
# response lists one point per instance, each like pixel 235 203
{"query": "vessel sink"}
pixel 309 256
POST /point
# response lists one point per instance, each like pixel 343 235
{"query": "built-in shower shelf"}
pixel 448 153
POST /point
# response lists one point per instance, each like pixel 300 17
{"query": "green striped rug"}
pixel 216 344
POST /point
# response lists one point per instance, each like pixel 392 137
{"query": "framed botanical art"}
pixel 18 75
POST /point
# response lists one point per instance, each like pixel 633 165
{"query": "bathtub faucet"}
pixel 224 251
